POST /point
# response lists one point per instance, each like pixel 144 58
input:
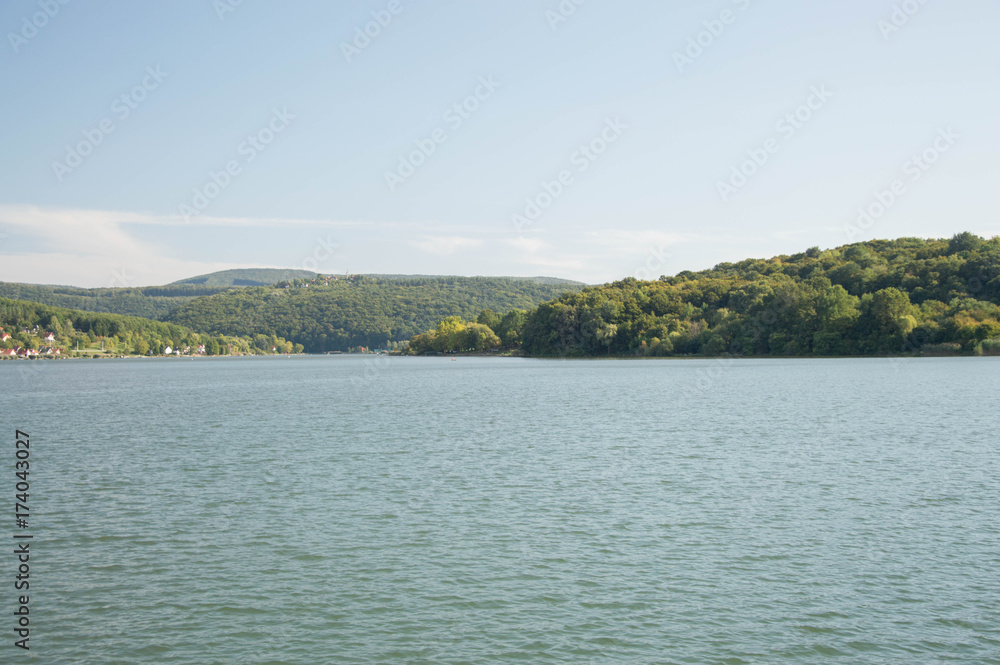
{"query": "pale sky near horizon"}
pixel 116 115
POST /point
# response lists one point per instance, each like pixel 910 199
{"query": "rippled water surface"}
pixel 357 510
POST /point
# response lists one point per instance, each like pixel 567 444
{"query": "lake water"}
pixel 322 510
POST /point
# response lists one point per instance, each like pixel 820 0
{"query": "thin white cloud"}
pixel 631 240
pixel 77 231
pixel 95 248
pixel 102 271
pixel 792 234
pixel 44 217
pixel 530 245
pixel 560 265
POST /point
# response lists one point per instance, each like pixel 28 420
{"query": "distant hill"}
pixel 335 313
pixel 247 277
pixel 151 302
pixel 536 280
pixel 331 313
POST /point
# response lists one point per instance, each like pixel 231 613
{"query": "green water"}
pixel 352 510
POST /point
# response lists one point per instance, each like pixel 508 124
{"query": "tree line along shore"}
pixel 883 297
pixel 33 330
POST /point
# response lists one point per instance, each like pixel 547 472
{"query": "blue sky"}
pixel 591 141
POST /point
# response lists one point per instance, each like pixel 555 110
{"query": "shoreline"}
pixel 520 356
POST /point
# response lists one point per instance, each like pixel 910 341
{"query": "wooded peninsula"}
pixel 882 297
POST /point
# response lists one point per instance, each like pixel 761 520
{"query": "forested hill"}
pixel 895 296
pixel 538 280
pixel 247 277
pixel 338 313
pixel 150 302
pixel 420 300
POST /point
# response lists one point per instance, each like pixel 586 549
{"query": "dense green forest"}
pixel 880 297
pixel 26 324
pixel 336 313
pixel 324 313
pixel 150 302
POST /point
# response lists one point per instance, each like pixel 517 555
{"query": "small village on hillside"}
pixel 34 343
